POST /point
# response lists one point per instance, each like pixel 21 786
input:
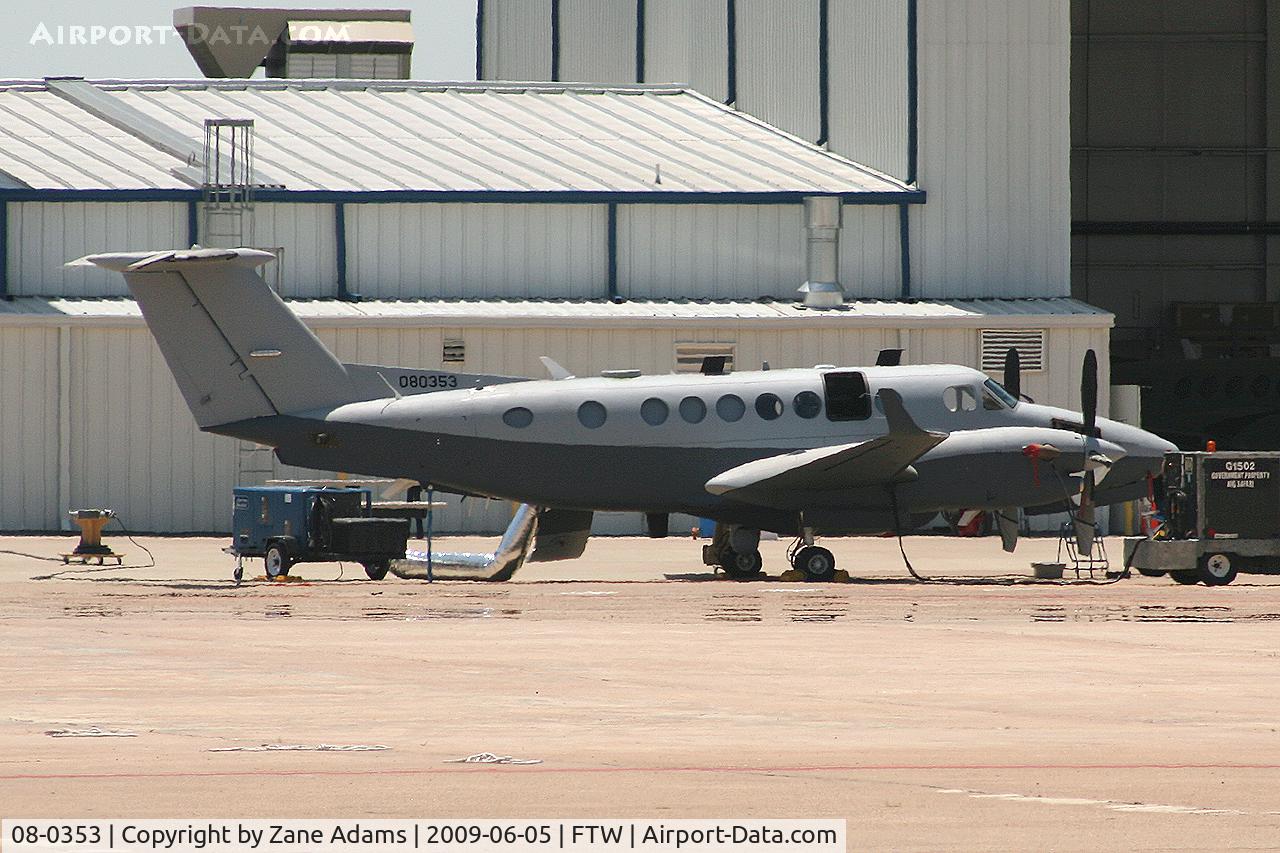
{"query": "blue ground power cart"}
pixel 286 525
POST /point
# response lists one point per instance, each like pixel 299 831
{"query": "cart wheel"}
pixel 1187 577
pixel 1217 569
pixel 276 561
pixel 1151 573
pixel 238 574
pixel 377 570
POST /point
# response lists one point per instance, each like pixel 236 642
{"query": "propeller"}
pixel 1089 392
pixel 1013 373
pixel 1096 463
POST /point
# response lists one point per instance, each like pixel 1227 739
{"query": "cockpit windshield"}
pixel 996 390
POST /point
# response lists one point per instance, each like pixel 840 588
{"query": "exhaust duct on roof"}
pixel 822 220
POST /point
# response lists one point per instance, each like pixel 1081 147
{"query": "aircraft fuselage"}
pixel 653 443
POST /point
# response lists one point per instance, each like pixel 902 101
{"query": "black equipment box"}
pixel 1226 495
pixel 370 536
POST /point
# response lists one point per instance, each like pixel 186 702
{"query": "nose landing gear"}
pixel 818 564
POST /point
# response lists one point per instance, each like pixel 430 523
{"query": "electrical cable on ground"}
pixel 33 556
pixel 995 580
pixel 82 570
pixel 139 544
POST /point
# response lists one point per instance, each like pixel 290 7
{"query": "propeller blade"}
pixel 1013 373
pixel 1089 393
pixel 1086 517
pixel 1085 520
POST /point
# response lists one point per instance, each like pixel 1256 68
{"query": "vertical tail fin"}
pixel 235 349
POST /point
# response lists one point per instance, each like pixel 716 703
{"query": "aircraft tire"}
pixel 742 566
pixel 818 564
pixel 1186 576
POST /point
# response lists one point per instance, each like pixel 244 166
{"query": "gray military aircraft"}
pixel 827 450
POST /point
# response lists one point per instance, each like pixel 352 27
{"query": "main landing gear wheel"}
pixel 276 561
pixel 818 564
pixel 1217 569
pixel 742 565
pixel 376 571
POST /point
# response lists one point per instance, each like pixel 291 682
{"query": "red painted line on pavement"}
pixel 431 771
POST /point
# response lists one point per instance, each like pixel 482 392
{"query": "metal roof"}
pixel 633 143
pixel 954 313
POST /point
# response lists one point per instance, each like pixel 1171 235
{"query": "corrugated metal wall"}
pixel 134 447
pixel 29 428
pixel 994 158
pixel 867 83
pixel 43 236
pixel 708 251
pixel 516 42
pixel 309 266
pixel 687 41
pixel 871 252
pixel 400 251
pixel 598 41
pixel 778 64
pixel 713 251
pixel 993 114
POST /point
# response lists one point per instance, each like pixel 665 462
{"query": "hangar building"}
pixel 478 226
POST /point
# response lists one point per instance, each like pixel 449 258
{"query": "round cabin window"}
pixel 807 404
pixel 731 408
pixel 769 406
pixel 592 414
pixel 654 411
pixel 518 417
pixel 693 410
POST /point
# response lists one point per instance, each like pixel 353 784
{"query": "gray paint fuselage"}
pixel 459 441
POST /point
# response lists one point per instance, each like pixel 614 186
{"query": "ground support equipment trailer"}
pixel 287 525
pixel 1218 514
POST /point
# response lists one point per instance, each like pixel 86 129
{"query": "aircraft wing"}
pixel 777 480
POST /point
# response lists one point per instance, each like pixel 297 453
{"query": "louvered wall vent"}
pixel 689 356
pixel 1028 342
pixel 455 351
